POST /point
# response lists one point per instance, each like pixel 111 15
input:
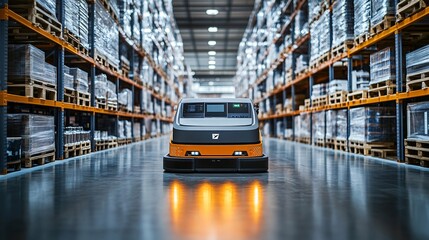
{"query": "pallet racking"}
pixel 395 35
pixel 169 78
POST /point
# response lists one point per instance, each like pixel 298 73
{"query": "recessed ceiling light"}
pixel 212 62
pixel 211 83
pixel 212 58
pixel 212 43
pixel 212 11
pixel 212 53
pixel 212 29
pixel 212 67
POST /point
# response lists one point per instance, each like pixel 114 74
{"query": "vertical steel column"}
pixel 310 92
pixel 117 117
pixel 3 87
pixel 91 26
pixel 59 62
pixel 349 89
pixel 292 89
pixel 400 130
pixel 132 119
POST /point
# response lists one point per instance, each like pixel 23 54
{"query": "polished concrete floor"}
pixel 309 193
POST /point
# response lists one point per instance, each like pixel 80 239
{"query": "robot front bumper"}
pixel 213 164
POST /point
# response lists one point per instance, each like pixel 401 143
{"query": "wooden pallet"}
pixel 69 95
pixel 78 149
pixel 112 66
pixel 417 81
pixel 382 88
pixel 13 165
pixel 307 103
pixel 319 101
pixel 110 10
pixel 123 108
pixel 384 153
pixel 330 143
pixel 35 13
pixel 342 48
pixel 364 148
pixel 341 145
pixel 124 141
pixel 125 72
pixel 361 38
pixel 418 151
pixel 407 8
pixel 83 99
pixel 105 144
pixel 306 140
pixel 32 88
pixel 39 159
pixel 320 142
pixel 338 97
pixel 386 23
pixel 357 95
pixel 71 38
pixel 111 105
pixel 320 60
pixel 100 59
pixel 83 50
pixel 100 103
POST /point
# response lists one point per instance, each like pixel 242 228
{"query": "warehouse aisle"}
pixel 309 193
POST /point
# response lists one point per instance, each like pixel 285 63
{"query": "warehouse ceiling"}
pixel 194 22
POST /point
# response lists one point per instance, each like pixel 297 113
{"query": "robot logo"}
pixel 215 136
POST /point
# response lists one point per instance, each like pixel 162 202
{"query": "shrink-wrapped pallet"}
pixel 37 132
pixel 362 17
pixel 106 35
pixel 418 61
pixel 100 88
pixel 80 78
pixel 26 62
pixel 382 64
pixel 319 125
pixel 381 9
pixel 418 121
pixel 50 74
pixel 125 98
pixel 342 24
pixel 372 124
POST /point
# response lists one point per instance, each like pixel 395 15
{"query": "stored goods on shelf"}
pixel 301 63
pixel 342 22
pixel 331 118
pixel 106 36
pixel 76 19
pixel 68 78
pixel 418 61
pixel 418 121
pixel 50 74
pixel 100 86
pixel 372 124
pixel 125 98
pixel 360 80
pixel 302 125
pixel 125 15
pixel 341 124
pixel 382 10
pixel 27 63
pixel 76 135
pixel 299 100
pixel 319 39
pixel 137 130
pixel 14 149
pixel 319 127
pixel 80 79
pixel 314 8
pixel 48 5
pixel 337 85
pixel 280 129
pixel 382 64
pixel 111 92
pixel 362 17
pixel 37 132
pixel 319 90
pixel 301 24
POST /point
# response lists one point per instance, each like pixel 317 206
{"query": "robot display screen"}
pixel 193 110
pixel 238 108
pixel 216 110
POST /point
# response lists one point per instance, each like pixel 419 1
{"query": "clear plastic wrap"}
pixel 341 125
pixel 37 132
pixel 331 118
pixel 314 8
pixel 279 129
pixel 26 62
pixel 83 23
pixel 337 85
pixel 125 98
pixel 71 19
pixel 300 24
pixel 382 64
pixel 319 90
pixel 106 34
pixel 418 61
pixel 342 24
pixel 137 129
pixel 360 80
pixel 68 80
pixel 417 120
pixel 128 132
pixel 76 135
pixel 125 15
pixel 100 88
pixel 373 124
pixel 380 9
pixel 302 125
pixel 319 38
pixel 362 17
pixel 49 5
pixel 50 74
pixel 301 63
pixel 80 80
pixel 319 125
pixel 121 129
pixel 111 91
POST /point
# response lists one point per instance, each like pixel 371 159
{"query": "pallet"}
pixel 382 88
pixel 341 145
pixel 39 159
pixel 320 60
pixel 69 96
pixel 83 50
pixel 357 95
pixel 417 150
pixel 407 8
pixel 77 149
pixel 306 140
pixel 307 104
pixel 338 97
pixel 361 39
pixel 83 99
pixel 71 38
pixel 123 108
pixel 330 143
pixel 36 14
pixel 364 148
pixel 342 48
pixel 32 88
pixel 417 81
pixel 320 142
pixel 386 23
pixel 105 144
pixel 125 72
pixel 100 58
pixel 112 106
pixel 110 10
pixel 13 165
pixel 100 103
pixel 124 141
pixel 384 153
pixel 319 101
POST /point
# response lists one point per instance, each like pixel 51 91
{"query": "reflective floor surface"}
pixel 309 193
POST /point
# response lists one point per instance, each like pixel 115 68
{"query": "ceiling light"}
pixel 211 83
pixel 212 29
pixel 212 43
pixel 212 62
pixel 212 58
pixel 212 53
pixel 212 67
pixel 212 12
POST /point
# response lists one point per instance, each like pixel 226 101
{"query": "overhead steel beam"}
pixel 237 23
